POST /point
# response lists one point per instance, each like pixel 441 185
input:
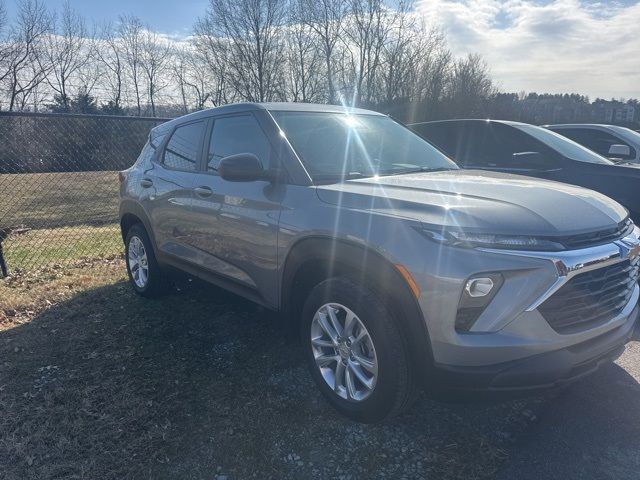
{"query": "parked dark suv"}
pixel 525 149
pixel 398 269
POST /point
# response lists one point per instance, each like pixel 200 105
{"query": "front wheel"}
pixel 355 351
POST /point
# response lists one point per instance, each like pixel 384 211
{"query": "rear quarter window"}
pixel 150 148
pixel 181 151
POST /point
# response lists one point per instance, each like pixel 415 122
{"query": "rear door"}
pixel 235 224
pixel 167 187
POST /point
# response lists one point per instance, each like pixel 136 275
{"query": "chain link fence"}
pixel 59 185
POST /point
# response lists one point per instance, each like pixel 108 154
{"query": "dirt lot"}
pixel 96 382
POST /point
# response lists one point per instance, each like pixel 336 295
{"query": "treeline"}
pixel 562 108
pixel 361 52
pixel 368 53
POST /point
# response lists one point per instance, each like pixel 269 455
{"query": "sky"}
pixel 553 46
pixel 590 47
pixel 174 17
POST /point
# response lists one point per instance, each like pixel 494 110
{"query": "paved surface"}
pixel 589 431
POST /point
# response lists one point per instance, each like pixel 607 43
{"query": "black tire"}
pixel 157 283
pixel 395 388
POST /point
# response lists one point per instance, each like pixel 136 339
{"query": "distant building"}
pixel 616 112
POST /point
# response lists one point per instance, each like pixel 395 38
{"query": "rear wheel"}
pixel 145 274
pixel 355 351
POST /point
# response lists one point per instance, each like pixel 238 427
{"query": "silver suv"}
pixel 399 270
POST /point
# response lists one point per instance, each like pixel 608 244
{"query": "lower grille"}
pixel 591 298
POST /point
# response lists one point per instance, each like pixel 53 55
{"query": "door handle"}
pixel 203 192
pixel 146 183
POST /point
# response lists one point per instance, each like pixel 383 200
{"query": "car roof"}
pixel 267 106
pixel 467 120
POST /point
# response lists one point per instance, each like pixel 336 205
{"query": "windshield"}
pixel 563 145
pixel 338 146
pixel 627 134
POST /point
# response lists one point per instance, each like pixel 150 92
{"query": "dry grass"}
pixel 70 216
pixel 96 382
pixel 52 200
pixel 62 245
pixel 27 294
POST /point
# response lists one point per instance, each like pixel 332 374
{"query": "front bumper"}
pixel 512 345
pixel 543 370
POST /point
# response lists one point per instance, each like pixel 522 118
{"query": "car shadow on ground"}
pixel 590 431
pixel 203 384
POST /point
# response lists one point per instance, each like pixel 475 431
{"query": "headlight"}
pixel 462 238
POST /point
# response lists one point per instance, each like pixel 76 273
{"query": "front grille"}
pixel 591 298
pixel 600 237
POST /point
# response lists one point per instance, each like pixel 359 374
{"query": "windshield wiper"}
pixel 331 177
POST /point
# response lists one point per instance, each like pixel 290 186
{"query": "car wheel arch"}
pixel 130 214
pixel 312 260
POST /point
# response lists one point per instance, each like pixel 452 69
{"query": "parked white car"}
pixel 611 141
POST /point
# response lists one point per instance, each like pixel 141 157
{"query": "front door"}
pixel 235 224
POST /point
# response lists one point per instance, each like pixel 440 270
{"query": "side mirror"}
pixel 242 167
pixel 619 151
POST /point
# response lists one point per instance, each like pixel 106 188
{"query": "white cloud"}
pixel 556 46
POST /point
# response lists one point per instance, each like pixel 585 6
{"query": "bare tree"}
pixel 253 29
pixel 433 72
pixel 368 26
pixel 24 72
pixel 377 54
pixel 214 51
pixel 154 55
pixel 325 18
pixel 5 44
pixel 470 86
pixel 193 78
pixel 304 62
pixel 130 31
pixel 398 57
pixel 109 54
pixel 66 52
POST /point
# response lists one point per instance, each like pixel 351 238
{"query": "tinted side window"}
pixel 474 144
pixel 155 139
pixel 182 149
pixel 581 135
pixel 232 135
pixel 500 146
pixel 442 136
pixel 597 140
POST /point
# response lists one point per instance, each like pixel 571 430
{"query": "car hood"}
pixel 479 200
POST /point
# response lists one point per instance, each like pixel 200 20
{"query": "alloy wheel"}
pixel 344 352
pixel 138 263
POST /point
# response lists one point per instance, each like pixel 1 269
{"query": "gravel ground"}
pixel 203 385
pixel 591 431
